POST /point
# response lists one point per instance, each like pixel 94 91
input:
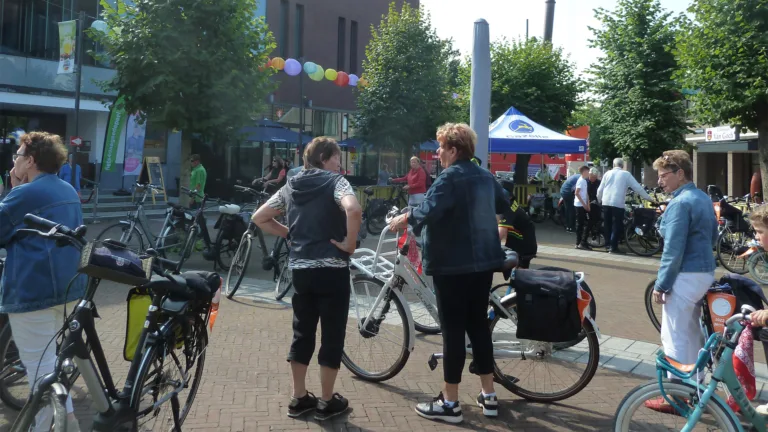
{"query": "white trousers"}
pixel 415 199
pixel 681 334
pixel 31 332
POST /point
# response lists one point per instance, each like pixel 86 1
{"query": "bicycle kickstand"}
pixel 175 410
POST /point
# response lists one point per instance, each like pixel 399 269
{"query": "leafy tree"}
pixel 600 147
pixel 191 65
pixel 409 72
pixel 724 55
pixel 538 80
pixel 642 111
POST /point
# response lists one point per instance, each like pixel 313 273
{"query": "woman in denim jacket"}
pixel 687 267
pixel 461 252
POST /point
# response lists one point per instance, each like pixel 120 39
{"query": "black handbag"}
pixel 547 305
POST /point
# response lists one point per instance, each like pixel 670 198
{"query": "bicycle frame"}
pixel 723 373
pixel 113 408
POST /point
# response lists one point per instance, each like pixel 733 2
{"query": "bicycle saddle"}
pixel 231 209
pixel 191 285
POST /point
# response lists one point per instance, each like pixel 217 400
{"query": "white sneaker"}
pixel 762 410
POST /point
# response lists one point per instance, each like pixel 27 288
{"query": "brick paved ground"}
pixel 247 381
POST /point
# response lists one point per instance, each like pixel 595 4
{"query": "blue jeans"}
pixel 613 226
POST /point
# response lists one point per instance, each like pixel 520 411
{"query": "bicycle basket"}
pixel 644 218
pixel 113 261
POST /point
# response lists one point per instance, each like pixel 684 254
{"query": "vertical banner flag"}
pixel 67 37
pixel 134 146
pixel 112 138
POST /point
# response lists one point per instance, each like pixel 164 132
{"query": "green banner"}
pixel 114 132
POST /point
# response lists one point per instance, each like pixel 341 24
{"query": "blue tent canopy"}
pixel 431 145
pixel 269 131
pixel 351 143
pixel 513 132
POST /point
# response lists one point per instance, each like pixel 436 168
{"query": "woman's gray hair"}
pixel 594 171
pixel 618 162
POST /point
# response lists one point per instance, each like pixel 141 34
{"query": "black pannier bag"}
pixel 547 307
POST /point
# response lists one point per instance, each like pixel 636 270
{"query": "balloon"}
pixel 342 79
pixel 310 68
pixel 99 26
pixel 292 67
pixel 278 63
pixel 353 79
pixel 318 75
pixel 331 74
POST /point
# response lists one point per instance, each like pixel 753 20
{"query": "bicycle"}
pixel 240 261
pixel 174 333
pixel 135 231
pixel 758 264
pixel 643 236
pixel 385 318
pixel 735 234
pixel 377 209
pixel 690 400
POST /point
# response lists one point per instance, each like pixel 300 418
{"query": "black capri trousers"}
pixel 462 305
pixel 321 294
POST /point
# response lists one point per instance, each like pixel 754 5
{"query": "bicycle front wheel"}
pixel 646 245
pixel 758 267
pixel 166 372
pixel 378 351
pixel 651 307
pixel 284 281
pixel 55 399
pixel 633 415
pixel 539 371
pixel 239 266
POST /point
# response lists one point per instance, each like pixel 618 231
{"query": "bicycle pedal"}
pixel 432 362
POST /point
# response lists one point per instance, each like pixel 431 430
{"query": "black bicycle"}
pixel 376 209
pixel 167 363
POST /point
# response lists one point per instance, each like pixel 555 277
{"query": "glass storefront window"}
pixel 156 141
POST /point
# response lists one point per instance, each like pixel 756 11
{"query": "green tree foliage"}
pixel 723 54
pixel 642 111
pixel 535 78
pixel 600 147
pixel 191 65
pixel 409 72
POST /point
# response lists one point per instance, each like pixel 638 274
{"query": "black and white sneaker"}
pixel 438 410
pixel 489 404
pixel 301 406
pixel 327 409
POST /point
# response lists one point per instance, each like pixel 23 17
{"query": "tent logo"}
pixel 520 126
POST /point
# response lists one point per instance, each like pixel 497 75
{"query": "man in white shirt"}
pixel 581 202
pixel 612 195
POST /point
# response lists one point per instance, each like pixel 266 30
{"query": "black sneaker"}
pixel 436 410
pixel 301 406
pixel 327 409
pixel 489 404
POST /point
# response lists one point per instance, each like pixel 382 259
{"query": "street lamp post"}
pixel 78 83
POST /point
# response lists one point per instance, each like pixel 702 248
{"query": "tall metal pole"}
pixel 526 29
pixel 480 89
pixel 78 82
pixel 549 20
pixel 301 107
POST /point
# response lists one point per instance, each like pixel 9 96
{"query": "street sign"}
pixel 75 141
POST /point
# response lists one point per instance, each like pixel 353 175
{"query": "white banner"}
pixel 67 42
pixel 134 146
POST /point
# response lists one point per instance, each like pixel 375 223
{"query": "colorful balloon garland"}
pixel 315 72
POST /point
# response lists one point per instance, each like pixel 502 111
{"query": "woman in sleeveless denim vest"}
pixel 323 217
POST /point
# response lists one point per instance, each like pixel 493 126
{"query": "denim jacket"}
pixel 689 229
pixel 37 272
pixel 458 215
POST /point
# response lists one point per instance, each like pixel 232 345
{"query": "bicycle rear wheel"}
pixel 164 370
pixel 714 417
pixel 646 245
pixel 758 267
pixel 524 367
pixel 730 246
pixel 239 266
pixel 226 247
pixel 379 351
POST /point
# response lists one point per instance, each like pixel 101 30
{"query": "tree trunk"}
pixel 521 168
pixel 186 169
pixel 762 147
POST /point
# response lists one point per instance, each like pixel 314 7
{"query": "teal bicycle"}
pixel 693 407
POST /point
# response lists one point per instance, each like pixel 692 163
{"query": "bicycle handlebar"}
pixel 49 229
pixel 192 193
pixel 148 186
pixel 251 191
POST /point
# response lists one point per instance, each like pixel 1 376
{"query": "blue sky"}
pixel 454 19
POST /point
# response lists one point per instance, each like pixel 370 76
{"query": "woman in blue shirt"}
pixel 687 266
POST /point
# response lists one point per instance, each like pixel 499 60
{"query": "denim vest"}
pixel 458 216
pixel 689 229
pixel 37 272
